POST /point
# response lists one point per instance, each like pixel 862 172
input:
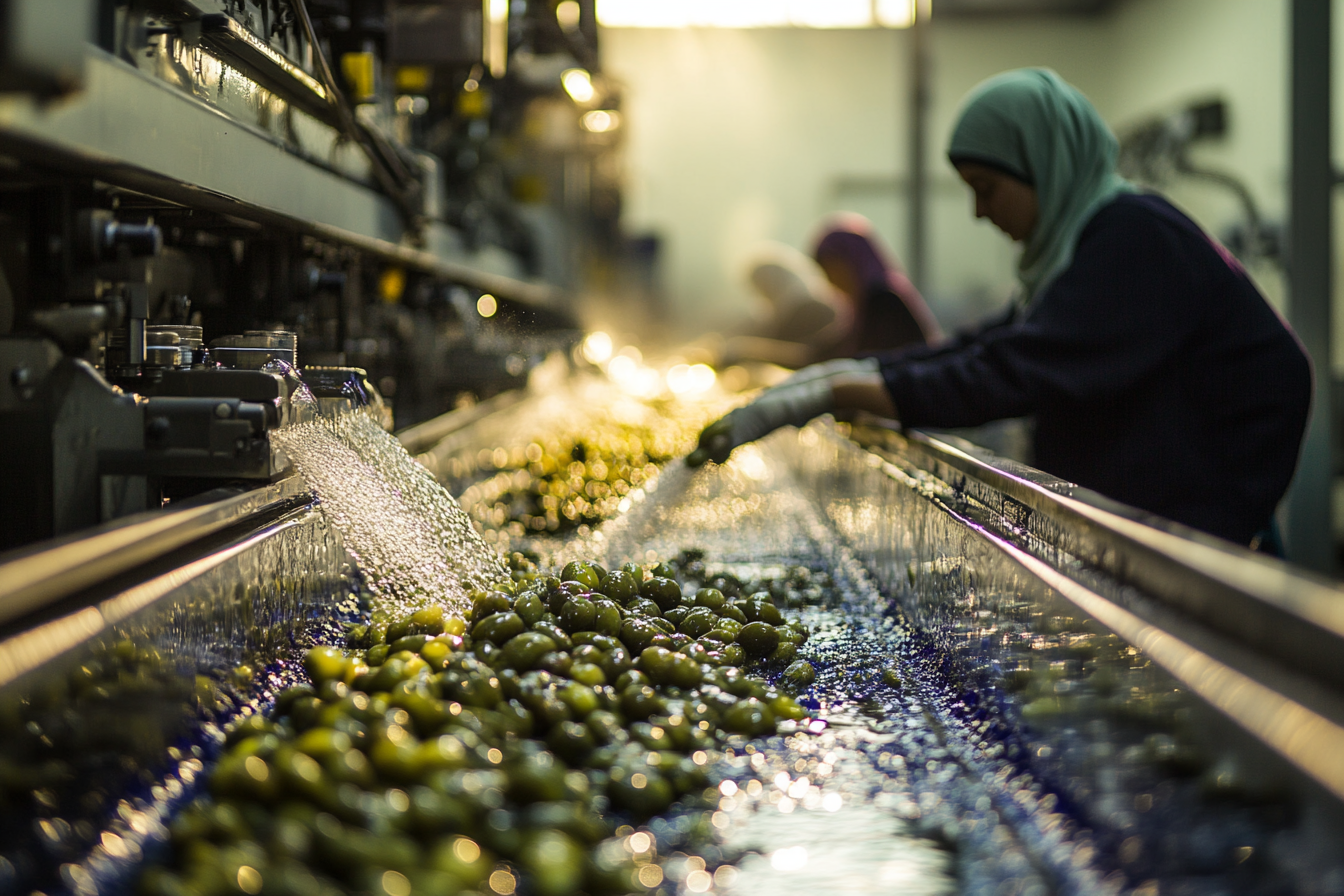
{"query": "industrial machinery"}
pixel 403 189
pixel 222 219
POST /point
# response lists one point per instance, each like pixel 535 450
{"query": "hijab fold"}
pixel 1033 125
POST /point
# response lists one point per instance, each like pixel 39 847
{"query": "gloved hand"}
pixel 833 367
pixel 791 402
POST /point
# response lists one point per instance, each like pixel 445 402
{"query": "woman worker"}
pixel 888 311
pixel 809 319
pixel 1157 373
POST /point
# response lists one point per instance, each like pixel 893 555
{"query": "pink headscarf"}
pixel 848 239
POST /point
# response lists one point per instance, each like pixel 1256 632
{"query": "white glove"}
pixel 831 368
pixel 789 403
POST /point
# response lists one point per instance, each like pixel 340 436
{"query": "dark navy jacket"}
pixel 1157 374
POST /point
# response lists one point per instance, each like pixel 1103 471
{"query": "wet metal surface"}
pixel 993 713
pixel 119 705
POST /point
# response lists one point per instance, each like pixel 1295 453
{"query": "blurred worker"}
pixel 889 312
pixel 809 319
pixel 1157 373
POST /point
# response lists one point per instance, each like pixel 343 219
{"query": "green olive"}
pixel 642 606
pixel 499 628
pixel 326 664
pixel 725 630
pixel 800 675
pixel 590 674
pixel 641 701
pixel 760 608
pixel 710 597
pixel 637 634
pixel 620 586
pixel 572 741
pixel 485 604
pixel 436 653
pixel 677 614
pixel 749 716
pixel 733 654
pixel 554 862
pixel 785 707
pixel 758 639
pixel 577 614
pixel 583 572
pixel 698 622
pixel 607 620
pixel 428 621
pixel 616 662
pixel 530 607
pixel 663 592
pixel 410 643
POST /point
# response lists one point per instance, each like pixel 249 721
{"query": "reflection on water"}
pixel 856 849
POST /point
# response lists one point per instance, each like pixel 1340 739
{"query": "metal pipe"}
pixel 1310 523
pixel 918 124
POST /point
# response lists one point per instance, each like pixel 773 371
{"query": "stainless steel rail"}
pixel 112 708
pixel 1279 611
pixel 35 577
pixel 1253 637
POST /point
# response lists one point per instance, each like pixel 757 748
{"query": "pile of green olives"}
pixel 510 751
pixel 577 481
pixel 564 481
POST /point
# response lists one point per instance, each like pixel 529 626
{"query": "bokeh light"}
pixel 597 348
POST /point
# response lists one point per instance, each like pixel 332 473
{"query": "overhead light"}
pixel 896 13
pixel 578 84
pixel 758 13
pixel 831 13
pixel 567 13
pixel 600 121
pixel 497 36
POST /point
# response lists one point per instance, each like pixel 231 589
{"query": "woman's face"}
pixel 1006 201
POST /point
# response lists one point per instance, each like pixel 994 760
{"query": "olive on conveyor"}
pixel 563 481
pixel 512 751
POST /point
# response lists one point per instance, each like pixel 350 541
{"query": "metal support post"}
pixel 1310 524
pixel 918 126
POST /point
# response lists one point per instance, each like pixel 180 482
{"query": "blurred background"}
pixel 734 134
pixel 445 194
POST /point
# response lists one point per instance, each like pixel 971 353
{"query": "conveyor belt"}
pixel 112 698
pixel 1086 703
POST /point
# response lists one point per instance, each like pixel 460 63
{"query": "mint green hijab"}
pixel 1035 126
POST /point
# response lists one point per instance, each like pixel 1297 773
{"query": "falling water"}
pixel 409 536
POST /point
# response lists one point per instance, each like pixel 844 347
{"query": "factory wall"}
pixel 740 136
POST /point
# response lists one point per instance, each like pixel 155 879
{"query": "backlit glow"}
pixel 756 13
pixel 895 13
pixel 497 36
pixel 599 121
pixel 567 13
pixel 486 306
pixel 792 859
pixel 578 84
pixel 597 348
pixel 683 379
